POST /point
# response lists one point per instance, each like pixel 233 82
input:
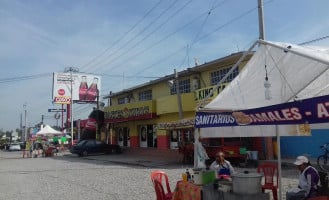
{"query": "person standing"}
pixel 27 149
pixel 309 180
pixel 221 166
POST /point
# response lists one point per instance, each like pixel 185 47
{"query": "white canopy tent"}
pixel 48 131
pixel 293 72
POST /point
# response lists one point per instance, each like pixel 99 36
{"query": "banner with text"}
pixel 306 111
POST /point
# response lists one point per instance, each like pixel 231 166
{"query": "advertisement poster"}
pixel 85 87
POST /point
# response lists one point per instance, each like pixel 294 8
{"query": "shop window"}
pixel 121 100
pixel 216 76
pixel 184 87
pixel 145 95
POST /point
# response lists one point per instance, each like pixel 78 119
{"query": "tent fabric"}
pixel 295 72
pixel 284 62
pixel 48 130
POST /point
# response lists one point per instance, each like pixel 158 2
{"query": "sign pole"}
pixel 62 117
pixel 71 107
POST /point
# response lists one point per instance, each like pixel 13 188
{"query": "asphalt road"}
pixel 74 178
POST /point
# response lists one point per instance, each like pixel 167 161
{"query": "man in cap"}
pixel 308 181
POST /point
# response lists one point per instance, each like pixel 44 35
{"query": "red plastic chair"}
pixel 161 176
pixel 159 191
pixel 270 171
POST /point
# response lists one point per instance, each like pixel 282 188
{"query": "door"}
pixel 120 136
pixel 125 136
pixel 150 136
pixel 143 136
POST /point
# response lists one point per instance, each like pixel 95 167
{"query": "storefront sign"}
pixel 176 124
pixel 127 114
pixel 204 92
pixel 307 111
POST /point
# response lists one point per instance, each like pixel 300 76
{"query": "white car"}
pixel 14 147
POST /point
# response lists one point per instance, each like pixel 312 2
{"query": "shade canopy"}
pixel 293 73
pixel 48 130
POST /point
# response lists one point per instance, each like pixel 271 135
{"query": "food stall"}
pixel 236 149
pixel 243 186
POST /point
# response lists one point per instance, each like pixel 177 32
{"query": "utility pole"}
pixel 261 20
pixel 179 100
pixel 71 69
pixel 25 122
pixel 21 127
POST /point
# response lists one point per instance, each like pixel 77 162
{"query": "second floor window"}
pixel 121 100
pixel 184 87
pixel 216 76
pixel 145 95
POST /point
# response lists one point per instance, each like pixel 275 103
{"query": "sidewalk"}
pixel 147 157
pixel 142 157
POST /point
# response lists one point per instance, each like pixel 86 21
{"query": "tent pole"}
pixel 196 139
pixel 294 52
pixel 279 162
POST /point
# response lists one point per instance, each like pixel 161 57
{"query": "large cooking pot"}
pixel 247 183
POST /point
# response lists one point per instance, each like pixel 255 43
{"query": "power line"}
pixel 20 78
pixel 169 35
pixel 152 32
pixel 314 40
pixel 124 35
pixel 196 36
pixel 197 40
pixel 139 33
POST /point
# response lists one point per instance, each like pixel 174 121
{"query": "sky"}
pixel 130 42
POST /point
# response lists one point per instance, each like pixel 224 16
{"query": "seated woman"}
pixel 223 167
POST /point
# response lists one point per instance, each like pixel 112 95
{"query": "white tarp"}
pixel 294 72
pixel 47 130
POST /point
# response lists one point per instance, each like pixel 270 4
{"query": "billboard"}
pixel 85 87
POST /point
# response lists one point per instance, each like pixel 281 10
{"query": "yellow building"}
pixel 151 115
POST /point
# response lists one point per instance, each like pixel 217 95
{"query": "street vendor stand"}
pixel 191 191
pixel 267 98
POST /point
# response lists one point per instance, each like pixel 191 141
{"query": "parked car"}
pixel 14 147
pixel 87 147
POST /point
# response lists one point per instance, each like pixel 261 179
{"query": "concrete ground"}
pixel 171 162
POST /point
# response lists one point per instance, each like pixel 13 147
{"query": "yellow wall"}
pixel 164 104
